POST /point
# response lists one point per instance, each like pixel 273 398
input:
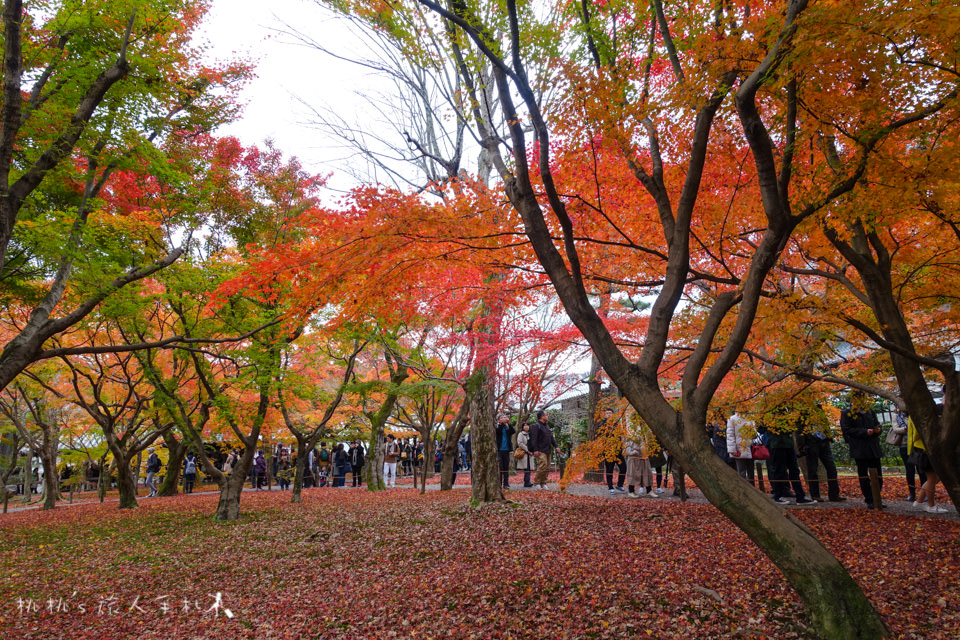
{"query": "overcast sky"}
pixel 286 72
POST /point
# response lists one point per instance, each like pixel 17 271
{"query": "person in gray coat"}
pixel 526 463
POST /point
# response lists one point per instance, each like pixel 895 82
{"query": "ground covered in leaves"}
pixel 350 564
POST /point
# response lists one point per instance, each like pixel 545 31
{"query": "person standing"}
pixel 504 439
pixel 740 434
pixel 357 461
pixel 815 442
pixel 189 472
pixel 784 470
pixel 918 453
pixel 608 427
pixel 542 444
pixel 230 462
pixel 717 432
pixel 639 474
pixel 259 469
pixel 283 473
pixel 861 430
pixel 391 452
pixel 526 463
pixel 153 467
pixel 340 463
pixel 898 438
pixel 277 456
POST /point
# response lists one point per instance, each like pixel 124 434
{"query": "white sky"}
pixel 286 73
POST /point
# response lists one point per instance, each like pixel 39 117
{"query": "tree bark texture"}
pixel 451 442
pixel 176 452
pixel 485 480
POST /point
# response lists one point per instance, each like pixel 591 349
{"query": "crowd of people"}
pixel 743 442
pixel 640 466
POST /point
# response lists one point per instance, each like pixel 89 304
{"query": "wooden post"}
pixel 875 487
pixel 760 477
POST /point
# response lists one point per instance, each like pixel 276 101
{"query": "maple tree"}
pixel 39 412
pixel 317 375
pixel 671 105
pixel 109 387
pixel 90 90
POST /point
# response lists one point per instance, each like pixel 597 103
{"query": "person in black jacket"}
pixel 340 463
pixel 861 430
pixel 541 445
pixel 153 467
pixel 356 463
pixel 504 442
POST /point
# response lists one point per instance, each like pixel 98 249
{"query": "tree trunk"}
pixel 486 467
pixel 177 451
pixel 103 476
pixel 126 483
pixel 450 442
pixel 304 447
pixel 231 488
pixel 51 480
pixel 834 601
pixel 27 477
pixel 228 507
pixel 373 470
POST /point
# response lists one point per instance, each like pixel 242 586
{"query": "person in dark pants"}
pixel 784 470
pixel 815 441
pixel 608 427
pixel 259 469
pixel 899 432
pixel 504 439
pixel 356 463
pixel 189 472
pixel 861 430
pixel 340 463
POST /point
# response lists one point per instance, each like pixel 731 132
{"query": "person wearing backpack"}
pixel 322 460
pixel 189 472
pixel 153 467
pixel 230 462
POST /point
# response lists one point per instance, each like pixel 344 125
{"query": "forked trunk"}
pixel 451 445
pixel 231 487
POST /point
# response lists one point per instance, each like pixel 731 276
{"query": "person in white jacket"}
pixel 740 433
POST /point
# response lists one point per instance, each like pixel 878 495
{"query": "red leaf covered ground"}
pixel 349 564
